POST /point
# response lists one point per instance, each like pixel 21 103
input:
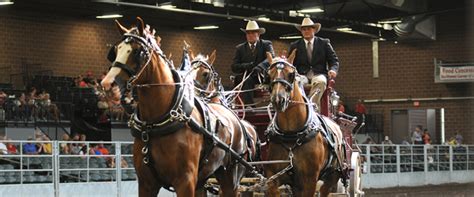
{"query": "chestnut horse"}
pixel 208 85
pixel 171 147
pixel 298 133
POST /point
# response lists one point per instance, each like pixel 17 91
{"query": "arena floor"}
pixel 448 190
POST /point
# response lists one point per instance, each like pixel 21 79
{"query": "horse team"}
pixel 182 125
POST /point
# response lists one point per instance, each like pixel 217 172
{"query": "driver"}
pixel 315 59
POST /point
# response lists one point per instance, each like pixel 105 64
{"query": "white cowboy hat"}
pixel 307 22
pixel 253 26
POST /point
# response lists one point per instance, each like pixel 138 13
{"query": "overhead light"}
pixel 6 2
pixel 311 10
pixel 206 27
pixel 290 37
pixel 344 29
pixel 107 16
pixel 263 18
pixel 167 5
pixel 382 39
pixel 390 21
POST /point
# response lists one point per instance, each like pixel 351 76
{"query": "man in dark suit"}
pixel 250 58
pixel 315 59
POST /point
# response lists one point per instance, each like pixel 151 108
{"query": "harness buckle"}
pixel 146 160
pixel 179 115
pixel 144 150
pixel 145 136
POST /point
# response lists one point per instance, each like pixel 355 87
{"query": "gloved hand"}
pixel 258 69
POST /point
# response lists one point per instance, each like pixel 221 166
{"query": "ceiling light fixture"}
pixel 263 18
pixel 167 5
pixel 7 2
pixel 311 10
pixel 108 16
pixel 390 21
pixel 290 37
pixel 344 29
pixel 206 27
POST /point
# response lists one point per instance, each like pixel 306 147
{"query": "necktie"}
pixel 252 47
pixel 309 50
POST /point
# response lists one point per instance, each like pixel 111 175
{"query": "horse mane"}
pixel 201 57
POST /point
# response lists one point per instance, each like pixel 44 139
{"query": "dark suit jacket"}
pixel 323 57
pixel 245 60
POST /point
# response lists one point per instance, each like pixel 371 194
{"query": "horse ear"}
pixel 140 26
pixel 212 58
pixel 121 28
pixel 191 54
pixel 269 57
pixel 292 56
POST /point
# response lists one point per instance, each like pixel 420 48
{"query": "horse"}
pixel 209 86
pixel 175 133
pixel 298 134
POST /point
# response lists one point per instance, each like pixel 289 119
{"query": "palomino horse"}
pixel 175 137
pixel 208 86
pixel 298 133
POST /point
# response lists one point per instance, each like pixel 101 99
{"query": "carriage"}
pixel 210 137
pixel 329 103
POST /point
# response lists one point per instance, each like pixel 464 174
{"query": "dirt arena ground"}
pixel 449 190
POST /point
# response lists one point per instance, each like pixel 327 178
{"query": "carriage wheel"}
pixel 355 187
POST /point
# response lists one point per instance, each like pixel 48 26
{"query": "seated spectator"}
pixel 11 148
pixel 387 141
pixel 46 108
pixel 458 138
pixel 45 147
pixel 65 146
pixel 115 105
pixel 3 146
pixel 417 135
pixel 388 145
pixel 373 149
pixel 3 98
pixel 123 163
pixel 341 107
pixel 30 148
pixel 426 137
pixel 75 148
pixel 101 148
pixel 94 150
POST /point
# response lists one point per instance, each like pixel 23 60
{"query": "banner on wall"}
pixel 453 72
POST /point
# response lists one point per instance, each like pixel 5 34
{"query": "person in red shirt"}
pixel 360 107
pixel 102 149
pixel 341 107
pixel 360 111
pixel 11 148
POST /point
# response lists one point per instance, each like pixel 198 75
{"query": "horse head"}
pixel 281 78
pixel 130 55
pixel 206 78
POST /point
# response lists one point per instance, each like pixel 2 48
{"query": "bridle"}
pixel 213 77
pixel 142 57
pixel 280 65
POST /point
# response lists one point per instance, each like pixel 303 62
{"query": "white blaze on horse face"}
pixel 123 52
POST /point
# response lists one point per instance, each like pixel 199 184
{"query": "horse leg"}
pixel 148 189
pixel 229 180
pixel 186 185
pixel 308 188
pixel 201 192
pixel 272 186
pixel 329 185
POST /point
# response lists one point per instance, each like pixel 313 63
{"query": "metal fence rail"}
pixel 412 165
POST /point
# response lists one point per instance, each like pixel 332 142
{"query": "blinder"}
pixel 287 83
pixel 139 55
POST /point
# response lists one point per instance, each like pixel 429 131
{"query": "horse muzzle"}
pixel 280 102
